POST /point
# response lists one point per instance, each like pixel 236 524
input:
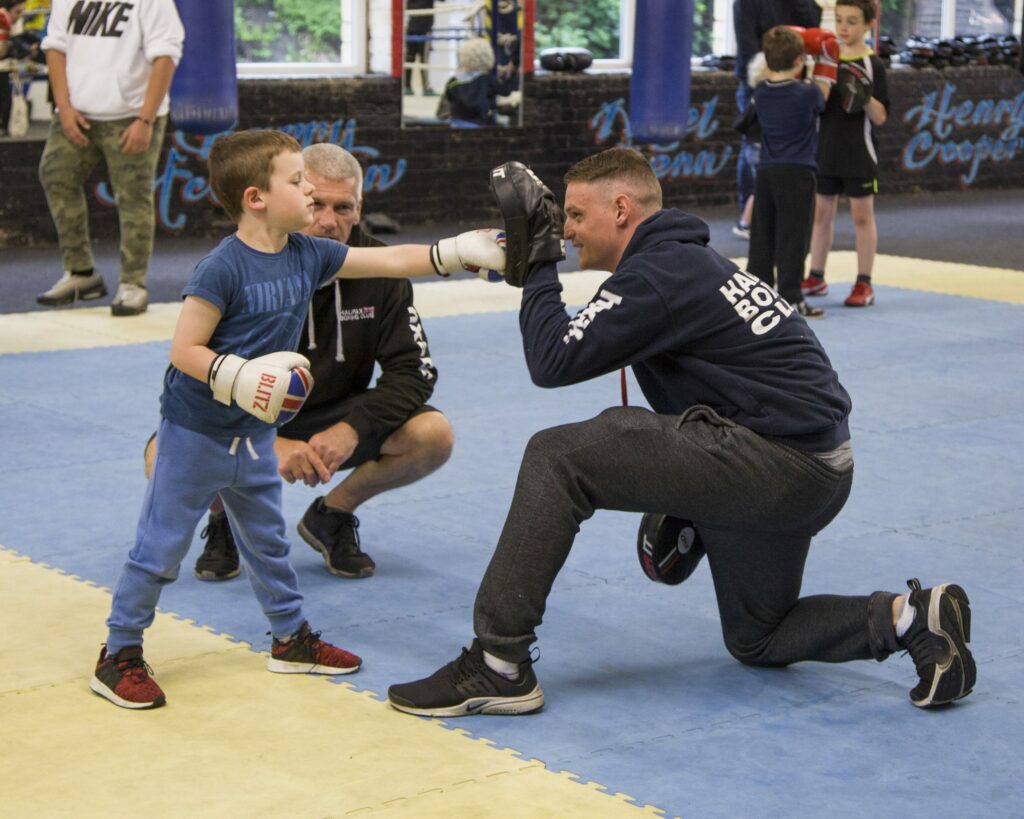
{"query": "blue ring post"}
pixel 659 90
pixel 204 92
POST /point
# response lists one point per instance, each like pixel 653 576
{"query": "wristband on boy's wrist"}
pixel 144 121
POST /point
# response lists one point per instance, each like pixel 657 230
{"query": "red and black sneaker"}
pixel 306 653
pixel 862 295
pixel 125 680
pixel 813 286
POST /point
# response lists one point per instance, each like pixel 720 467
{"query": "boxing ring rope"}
pixel 475 27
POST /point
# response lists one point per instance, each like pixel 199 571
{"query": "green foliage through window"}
pixel 288 31
pixel 594 25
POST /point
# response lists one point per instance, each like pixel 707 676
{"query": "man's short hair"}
pixel 866 6
pixel 245 159
pixel 782 47
pixel 620 165
pixel 335 163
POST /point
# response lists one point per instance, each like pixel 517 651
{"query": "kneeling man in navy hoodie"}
pixel 748 436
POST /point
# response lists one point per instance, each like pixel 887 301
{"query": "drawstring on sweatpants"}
pixel 233 449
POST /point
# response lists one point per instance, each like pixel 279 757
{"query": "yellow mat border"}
pixel 87 327
pixel 233 740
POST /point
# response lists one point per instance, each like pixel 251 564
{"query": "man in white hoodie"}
pixel 110 67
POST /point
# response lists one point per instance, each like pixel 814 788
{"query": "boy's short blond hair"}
pixel 866 6
pixel 782 47
pixel 620 165
pixel 242 160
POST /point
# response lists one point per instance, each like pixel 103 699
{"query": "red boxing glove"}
pixel 820 42
pixel 824 47
pixel 5 25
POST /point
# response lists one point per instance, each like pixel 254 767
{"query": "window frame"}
pixel 353 57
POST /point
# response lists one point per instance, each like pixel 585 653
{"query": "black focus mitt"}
pixel 854 87
pixel 668 548
pixel 566 58
pixel 533 220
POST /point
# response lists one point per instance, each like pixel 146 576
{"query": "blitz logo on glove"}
pixel 272 387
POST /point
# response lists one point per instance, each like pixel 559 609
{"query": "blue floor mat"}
pixel 642 696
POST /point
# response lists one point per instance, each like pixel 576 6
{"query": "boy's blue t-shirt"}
pixel 263 299
pixel 788 114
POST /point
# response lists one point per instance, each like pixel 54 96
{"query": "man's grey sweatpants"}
pixel 756 504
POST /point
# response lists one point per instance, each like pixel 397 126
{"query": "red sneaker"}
pixel 306 653
pixel 125 679
pixel 861 296
pixel 813 286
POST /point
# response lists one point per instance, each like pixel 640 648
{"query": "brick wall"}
pixel 948 130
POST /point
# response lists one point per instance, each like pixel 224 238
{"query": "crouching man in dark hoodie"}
pixel 748 437
pixel 384 431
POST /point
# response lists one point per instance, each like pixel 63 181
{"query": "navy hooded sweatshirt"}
pixel 696 330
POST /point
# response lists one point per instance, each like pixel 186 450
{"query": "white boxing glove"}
pixel 479 251
pixel 272 387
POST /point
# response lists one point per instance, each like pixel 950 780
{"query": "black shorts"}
pixel 854 187
pixel 368 448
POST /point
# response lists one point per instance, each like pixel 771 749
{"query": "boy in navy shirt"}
pixel 787 111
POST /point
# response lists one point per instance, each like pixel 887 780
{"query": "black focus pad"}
pixel 669 548
pixel 854 87
pixel 565 58
pixel 533 220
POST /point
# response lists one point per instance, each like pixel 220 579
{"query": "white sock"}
pixel 508 670
pixel 906 618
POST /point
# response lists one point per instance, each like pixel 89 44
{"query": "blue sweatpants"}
pixel 190 469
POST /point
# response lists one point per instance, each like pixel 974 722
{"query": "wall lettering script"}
pixel 937 120
pixel 667 160
pixel 178 185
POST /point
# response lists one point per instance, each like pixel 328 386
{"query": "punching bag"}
pixel 204 92
pixel 659 90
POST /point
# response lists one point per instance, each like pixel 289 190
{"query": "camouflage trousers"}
pixel 63 171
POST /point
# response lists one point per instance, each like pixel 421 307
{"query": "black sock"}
pixel 864 277
pixel 82 272
pixel 818 274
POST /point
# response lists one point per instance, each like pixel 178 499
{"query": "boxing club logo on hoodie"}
pixel 755 302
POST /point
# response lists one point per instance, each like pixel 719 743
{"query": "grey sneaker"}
pixel 71 288
pixel 741 230
pixel 130 300
pixel 808 312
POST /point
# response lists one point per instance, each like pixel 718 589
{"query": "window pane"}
pixel 593 25
pixel 703 27
pixel 975 17
pixel 923 18
pixel 288 31
pixel 898 21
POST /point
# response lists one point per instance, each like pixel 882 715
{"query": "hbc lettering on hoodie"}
pixel 755 302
